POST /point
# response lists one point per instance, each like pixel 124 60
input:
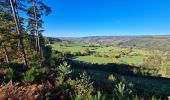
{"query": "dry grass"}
pixel 14 91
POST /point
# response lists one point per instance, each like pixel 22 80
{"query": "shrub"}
pixel 77 53
pixel 63 70
pixel 115 55
pixel 105 56
pixel 111 78
pixel 42 74
pixel 67 54
pixel 57 59
pixel 30 75
pixel 83 86
pixel 97 54
pixel 122 92
pixel 10 74
pixel 99 96
pixel 85 51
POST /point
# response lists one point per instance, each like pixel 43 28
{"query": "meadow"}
pixel 135 57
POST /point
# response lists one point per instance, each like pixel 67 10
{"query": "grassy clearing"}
pixel 132 59
pixel 92 59
pixel 72 47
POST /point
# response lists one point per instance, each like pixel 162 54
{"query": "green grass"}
pixel 107 49
pixel 92 59
pixel 132 59
pixel 72 47
pixel 103 50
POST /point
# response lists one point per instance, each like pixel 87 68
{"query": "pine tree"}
pixel 18 29
pixel 35 12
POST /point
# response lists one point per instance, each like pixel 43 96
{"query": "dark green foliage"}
pixel 47 55
pixel 77 53
pixel 121 92
pixel 63 71
pixel 10 74
pixel 30 75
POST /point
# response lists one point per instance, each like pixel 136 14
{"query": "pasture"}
pixel 136 56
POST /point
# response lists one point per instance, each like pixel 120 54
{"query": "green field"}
pixel 92 59
pixel 72 47
pixel 132 59
pixel 103 50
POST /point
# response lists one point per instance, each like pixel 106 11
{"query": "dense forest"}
pixel 33 67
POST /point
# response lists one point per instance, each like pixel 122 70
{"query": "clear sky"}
pixel 74 18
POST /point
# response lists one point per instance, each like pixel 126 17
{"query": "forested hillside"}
pixel 150 42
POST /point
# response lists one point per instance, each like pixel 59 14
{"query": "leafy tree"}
pixel 85 51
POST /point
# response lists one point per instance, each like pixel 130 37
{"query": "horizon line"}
pixel 107 36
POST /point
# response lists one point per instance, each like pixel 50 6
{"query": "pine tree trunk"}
pixel 17 17
pixel 6 55
pixel 22 47
pixel 38 45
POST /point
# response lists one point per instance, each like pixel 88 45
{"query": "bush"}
pixel 67 54
pixel 97 54
pixel 121 92
pixel 57 59
pixel 10 74
pixel 85 51
pixel 115 55
pixel 30 75
pixel 105 56
pixel 77 53
pixel 63 70
pixel 111 78
pixel 83 87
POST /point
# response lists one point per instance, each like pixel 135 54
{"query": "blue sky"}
pixel 77 18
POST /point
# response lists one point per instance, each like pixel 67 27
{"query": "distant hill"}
pixel 150 42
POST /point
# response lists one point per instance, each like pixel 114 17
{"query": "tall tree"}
pixel 18 29
pixel 35 12
pixel 6 26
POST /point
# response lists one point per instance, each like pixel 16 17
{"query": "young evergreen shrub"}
pixel 63 71
pixel 99 96
pixel 83 86
pixel 30 75
pixel 10 74
pixel 121 92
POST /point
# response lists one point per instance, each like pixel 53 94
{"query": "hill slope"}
pixel 150 42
